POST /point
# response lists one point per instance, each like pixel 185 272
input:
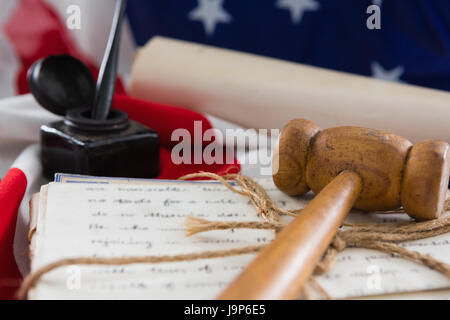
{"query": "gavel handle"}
pixel 282 268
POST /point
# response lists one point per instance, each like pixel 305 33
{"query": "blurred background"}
pixel 412 44
pixel 404 41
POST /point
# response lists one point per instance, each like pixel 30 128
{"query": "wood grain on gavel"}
pixel 346 167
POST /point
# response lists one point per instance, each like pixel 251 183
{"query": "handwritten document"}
pixel 116 218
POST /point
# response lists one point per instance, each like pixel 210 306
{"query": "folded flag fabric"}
pixel 12 189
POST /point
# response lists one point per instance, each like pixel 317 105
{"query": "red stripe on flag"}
pixel 35 31
pixel 12 190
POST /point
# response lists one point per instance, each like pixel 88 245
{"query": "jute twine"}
pixel 382 237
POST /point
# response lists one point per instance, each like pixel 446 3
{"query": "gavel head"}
pixel 394 173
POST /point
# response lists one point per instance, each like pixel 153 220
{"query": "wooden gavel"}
pixel 345 167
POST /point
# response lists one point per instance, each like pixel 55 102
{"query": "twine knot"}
pixel 382 237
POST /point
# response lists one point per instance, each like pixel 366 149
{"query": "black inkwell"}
pixel 92 139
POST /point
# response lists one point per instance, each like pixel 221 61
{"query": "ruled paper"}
pixel 118 218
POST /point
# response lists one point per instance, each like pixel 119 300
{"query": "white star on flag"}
pixel 210 13
pixel 377 2
pixel 298 7
pixel 378 72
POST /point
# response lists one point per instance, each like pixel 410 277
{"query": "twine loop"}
pixel 381 237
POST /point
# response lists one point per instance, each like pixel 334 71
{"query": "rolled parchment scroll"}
pixel 260 92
